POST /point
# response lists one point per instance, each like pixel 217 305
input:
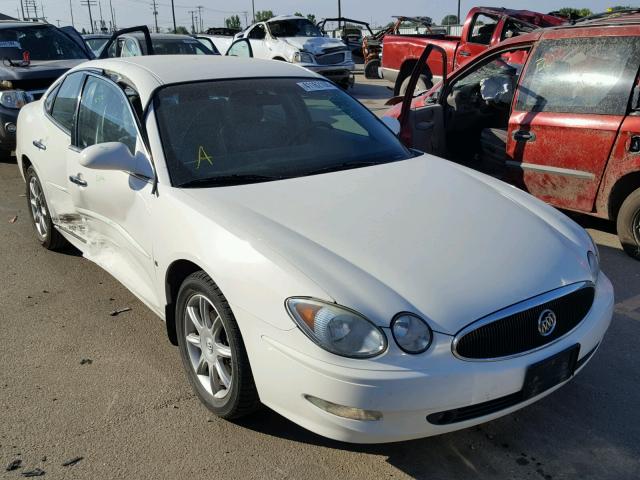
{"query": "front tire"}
pixel 40 214
pixel 371 69
pixel 212 349
pixel 628 223
pixel 424 84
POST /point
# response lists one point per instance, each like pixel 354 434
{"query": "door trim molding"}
pixel 567 172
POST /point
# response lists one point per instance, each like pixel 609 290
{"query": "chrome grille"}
pixel 515 330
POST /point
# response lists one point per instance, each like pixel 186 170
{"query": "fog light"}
pixel 345 412
pixel 10 127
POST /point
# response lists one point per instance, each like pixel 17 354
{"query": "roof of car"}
pixel 19 24
pixel 159 36
pixel 150 72
pixel 286 17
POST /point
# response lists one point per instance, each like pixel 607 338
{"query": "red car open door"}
pixel 570 103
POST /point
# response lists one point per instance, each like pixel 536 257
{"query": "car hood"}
pixel 422 235
pixel 38 69
pixel 315 45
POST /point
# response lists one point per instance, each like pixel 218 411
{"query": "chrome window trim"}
pixel 518 308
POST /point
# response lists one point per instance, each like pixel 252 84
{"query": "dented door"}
pixel 112 207
pixel 570 104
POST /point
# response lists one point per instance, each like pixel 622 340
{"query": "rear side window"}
pixel 482 29
pixel 64 105
pixel 580 75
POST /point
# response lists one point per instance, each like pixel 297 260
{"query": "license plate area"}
pixel 549 372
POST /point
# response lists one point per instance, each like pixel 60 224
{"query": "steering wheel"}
pixel 305 133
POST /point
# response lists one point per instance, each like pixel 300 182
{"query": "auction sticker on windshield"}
pixel 317 86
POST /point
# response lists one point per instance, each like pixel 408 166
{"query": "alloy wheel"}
pixel 38 207
pixel 208 346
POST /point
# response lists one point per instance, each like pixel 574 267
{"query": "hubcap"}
pixel 208 346
pixel 636 227
pixel 38 207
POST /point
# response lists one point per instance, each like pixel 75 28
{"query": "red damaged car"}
pixel 555 112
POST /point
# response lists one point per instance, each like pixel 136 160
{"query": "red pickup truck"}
pixel 555 112
pixel 484 27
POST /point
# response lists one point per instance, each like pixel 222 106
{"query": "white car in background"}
pixel 297 40
pixel 301 256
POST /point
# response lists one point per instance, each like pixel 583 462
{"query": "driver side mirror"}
pixel 115 156
pixel 240 48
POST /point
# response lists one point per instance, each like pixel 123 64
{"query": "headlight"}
pixel 337 329
pixel 411 333
pixel 14 98
pixel 303 57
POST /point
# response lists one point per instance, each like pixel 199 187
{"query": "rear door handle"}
pixel 524 136
pixel 77 180
pixel 38 144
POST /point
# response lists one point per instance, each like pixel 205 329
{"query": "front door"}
pixel 570 104
pixel 114 205
pixel 479 38
pixel 257 38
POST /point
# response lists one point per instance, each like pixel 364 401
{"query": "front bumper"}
pixel 7 138
pixel 338 72
pixel 405 388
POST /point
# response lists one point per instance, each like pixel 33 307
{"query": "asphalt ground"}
pixel 78 382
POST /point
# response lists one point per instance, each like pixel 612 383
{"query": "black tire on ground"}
pixel 52 239
pixel 628 223
pixel 5 156
pixel 424 84
pixel 371 69
pixel 242 397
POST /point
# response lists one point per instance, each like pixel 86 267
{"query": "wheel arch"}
pixel 25 163
pixel 405 71
pixel 279 58
pixel 176 274
pixel 623 187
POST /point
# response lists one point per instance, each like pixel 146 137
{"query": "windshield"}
pixel 241 131
pixel 42 42
pixel 294 28
pixel 179 46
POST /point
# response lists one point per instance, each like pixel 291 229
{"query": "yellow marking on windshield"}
pixel 202 155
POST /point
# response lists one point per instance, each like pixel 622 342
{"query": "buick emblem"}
pixel 546 323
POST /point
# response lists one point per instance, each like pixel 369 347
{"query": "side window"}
pixel 513 28
pixel 48 102
pixel 580 75
pixel 65 102
pixel 258 33
pixel 482 29
pixel 104 116
pixel 130 49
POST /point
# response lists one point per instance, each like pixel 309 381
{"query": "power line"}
pixel 200 7
pixel 155 13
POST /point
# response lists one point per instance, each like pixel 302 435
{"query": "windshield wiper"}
pixel 343 166
pixel 226 180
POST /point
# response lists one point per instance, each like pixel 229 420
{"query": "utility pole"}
pixel 200 7
pixel 89 4
pixel 22 7
pixel 193 27
pixel 155 13
pixel 101 19
pixel 459 23
pixel 339 14
pixel 58 21
pixel 113 17
pixel 253 6
pixel 71 10
pixel 173 12
pixel 246 19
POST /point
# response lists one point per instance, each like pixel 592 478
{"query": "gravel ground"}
pixel 77 382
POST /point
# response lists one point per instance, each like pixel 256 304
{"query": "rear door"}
pixel 570 104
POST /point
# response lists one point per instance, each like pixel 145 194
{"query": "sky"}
pixel 377 12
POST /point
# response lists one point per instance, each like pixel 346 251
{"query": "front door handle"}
pixel 38 144
pixel 465 53
pixel 524 136
pixel 77 180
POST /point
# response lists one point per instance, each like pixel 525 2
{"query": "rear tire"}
pixel 212 349
pixel 424 84
pixel 628 223
pixel 48 236
pixel 371 69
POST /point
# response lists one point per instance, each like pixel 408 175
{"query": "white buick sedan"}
pixel 301 257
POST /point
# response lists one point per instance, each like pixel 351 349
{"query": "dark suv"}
pixel 33 56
